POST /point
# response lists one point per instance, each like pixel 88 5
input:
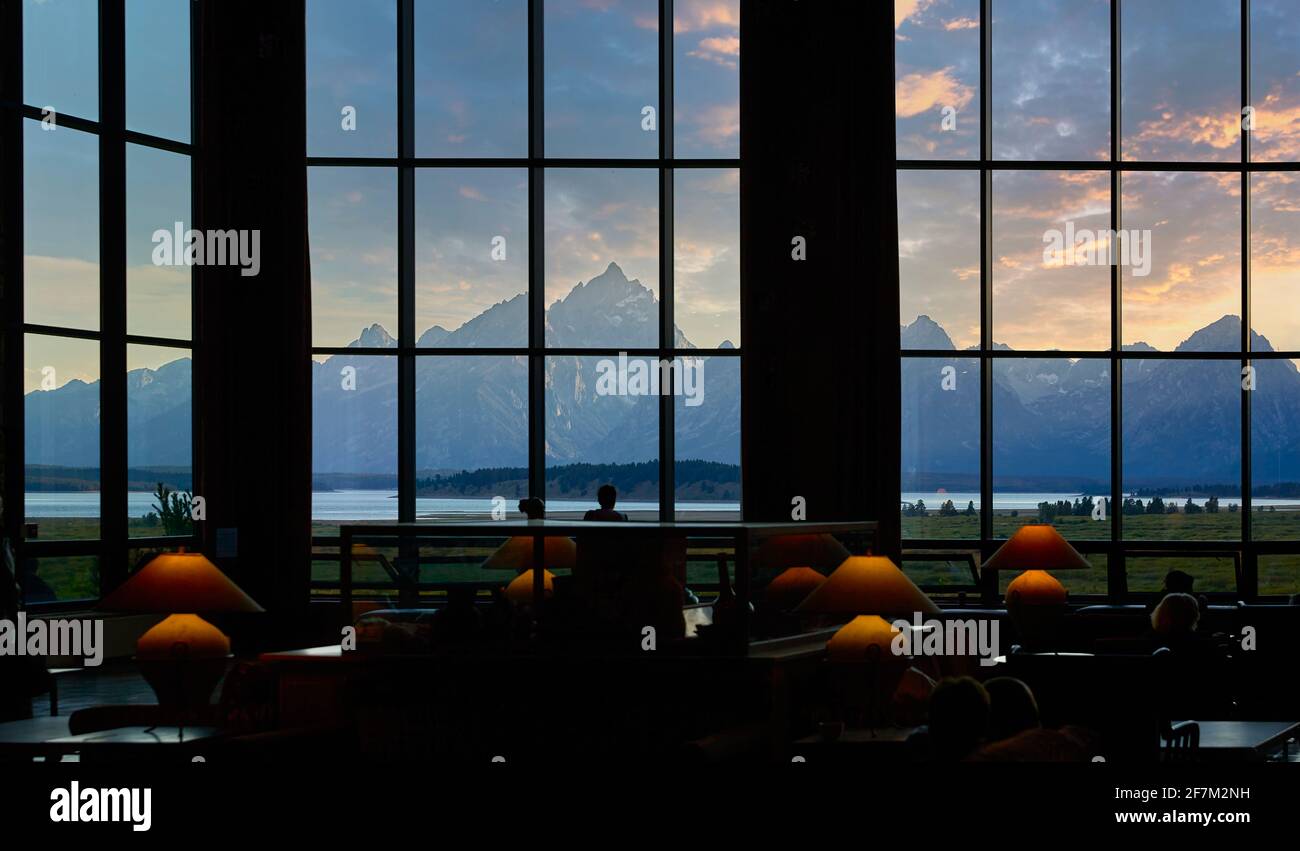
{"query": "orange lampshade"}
pixel 517 554
pixel 820 552
pixel 183 636
pixel 1037 546
pixel 871 585
pixel 1036 588
pixel 792 586
pixel 179 582
pixel 855 640
pixel 520 589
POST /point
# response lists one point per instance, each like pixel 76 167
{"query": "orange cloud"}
pixel 921 92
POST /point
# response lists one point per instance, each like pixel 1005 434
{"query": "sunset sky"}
pixel 1050 99
pixel 471 100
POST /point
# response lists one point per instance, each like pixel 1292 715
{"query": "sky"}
pixel 1050 100
pixel 471 101
pixel 61 180
pixel 601 71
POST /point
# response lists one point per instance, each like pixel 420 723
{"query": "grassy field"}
pixel 1277 574
pixel 78 577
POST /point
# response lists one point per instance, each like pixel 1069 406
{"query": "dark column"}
pixel 821 372
pixel 252 334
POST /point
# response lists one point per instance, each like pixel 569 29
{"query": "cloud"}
pixel 696 15
pixel 920 92
pixel 904 9
pixel 722 50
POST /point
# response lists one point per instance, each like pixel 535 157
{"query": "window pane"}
pixel 158 68
pixel 61 56
pixel 941 446
pixel 939 259
pixel 706 78
pixel 1182 442
pixel 354 440
pixel 61 421
pixel 60 227
pixel 1051 80
pixel 158 440
pixel 61 578
pixel 1275 258
pixel 1182 81
pixel 353 232
pixel 1188 225
pixel 471 249
pixel 706 256
pixel 602 258
pixel 1275 80
pixel 936 79
pixel 1051 259
pixel 157 279
pixel 1209 574
pixel 352 78
pixel 1274 450
pixel 602 73
pixel 1051 445
pixel 595 435
pixel 1279 574
pixel 471 78
pixel 706 420
pixel 471 439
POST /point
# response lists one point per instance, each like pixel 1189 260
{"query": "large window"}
pixel 517 209
pixel 106 354
pixel 1092 196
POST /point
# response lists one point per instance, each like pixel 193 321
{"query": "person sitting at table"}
pixel 1176 616
pixel 1012 708
pixel 606 496
pixel 533 508
pixel 959 717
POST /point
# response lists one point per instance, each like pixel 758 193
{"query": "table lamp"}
pixel 868 585
pixel 1035 549
pixel 820 552
pixel 520 589
pixel 183 656
pixel 863 665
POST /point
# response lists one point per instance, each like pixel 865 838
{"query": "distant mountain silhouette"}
pixel 1181 421
pixel 471 411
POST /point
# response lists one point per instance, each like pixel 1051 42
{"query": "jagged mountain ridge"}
pixel 1051 416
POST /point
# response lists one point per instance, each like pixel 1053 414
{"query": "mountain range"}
pixel 1051 417
pixel 471 411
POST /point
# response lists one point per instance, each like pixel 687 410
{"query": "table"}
pixel 50 737
pixel 857 744
pixel 1235 741
pixel 745 535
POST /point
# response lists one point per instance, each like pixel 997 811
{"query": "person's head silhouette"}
pixel 1178 582
pixel 533 508
pixel 607 496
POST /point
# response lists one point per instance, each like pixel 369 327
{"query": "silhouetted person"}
pixel 606 496
pixel 1012 708
pixel 1180 582
pixel 1176 617
pixel 533 508
pixel 959 718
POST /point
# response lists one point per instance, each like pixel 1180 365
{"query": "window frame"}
pixel 112 547
pixel 1116 548
pixel 406 164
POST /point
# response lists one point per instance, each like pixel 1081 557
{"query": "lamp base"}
pixel 183 686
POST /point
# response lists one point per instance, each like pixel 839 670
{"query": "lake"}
pixel 382 504
pixel 350 505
